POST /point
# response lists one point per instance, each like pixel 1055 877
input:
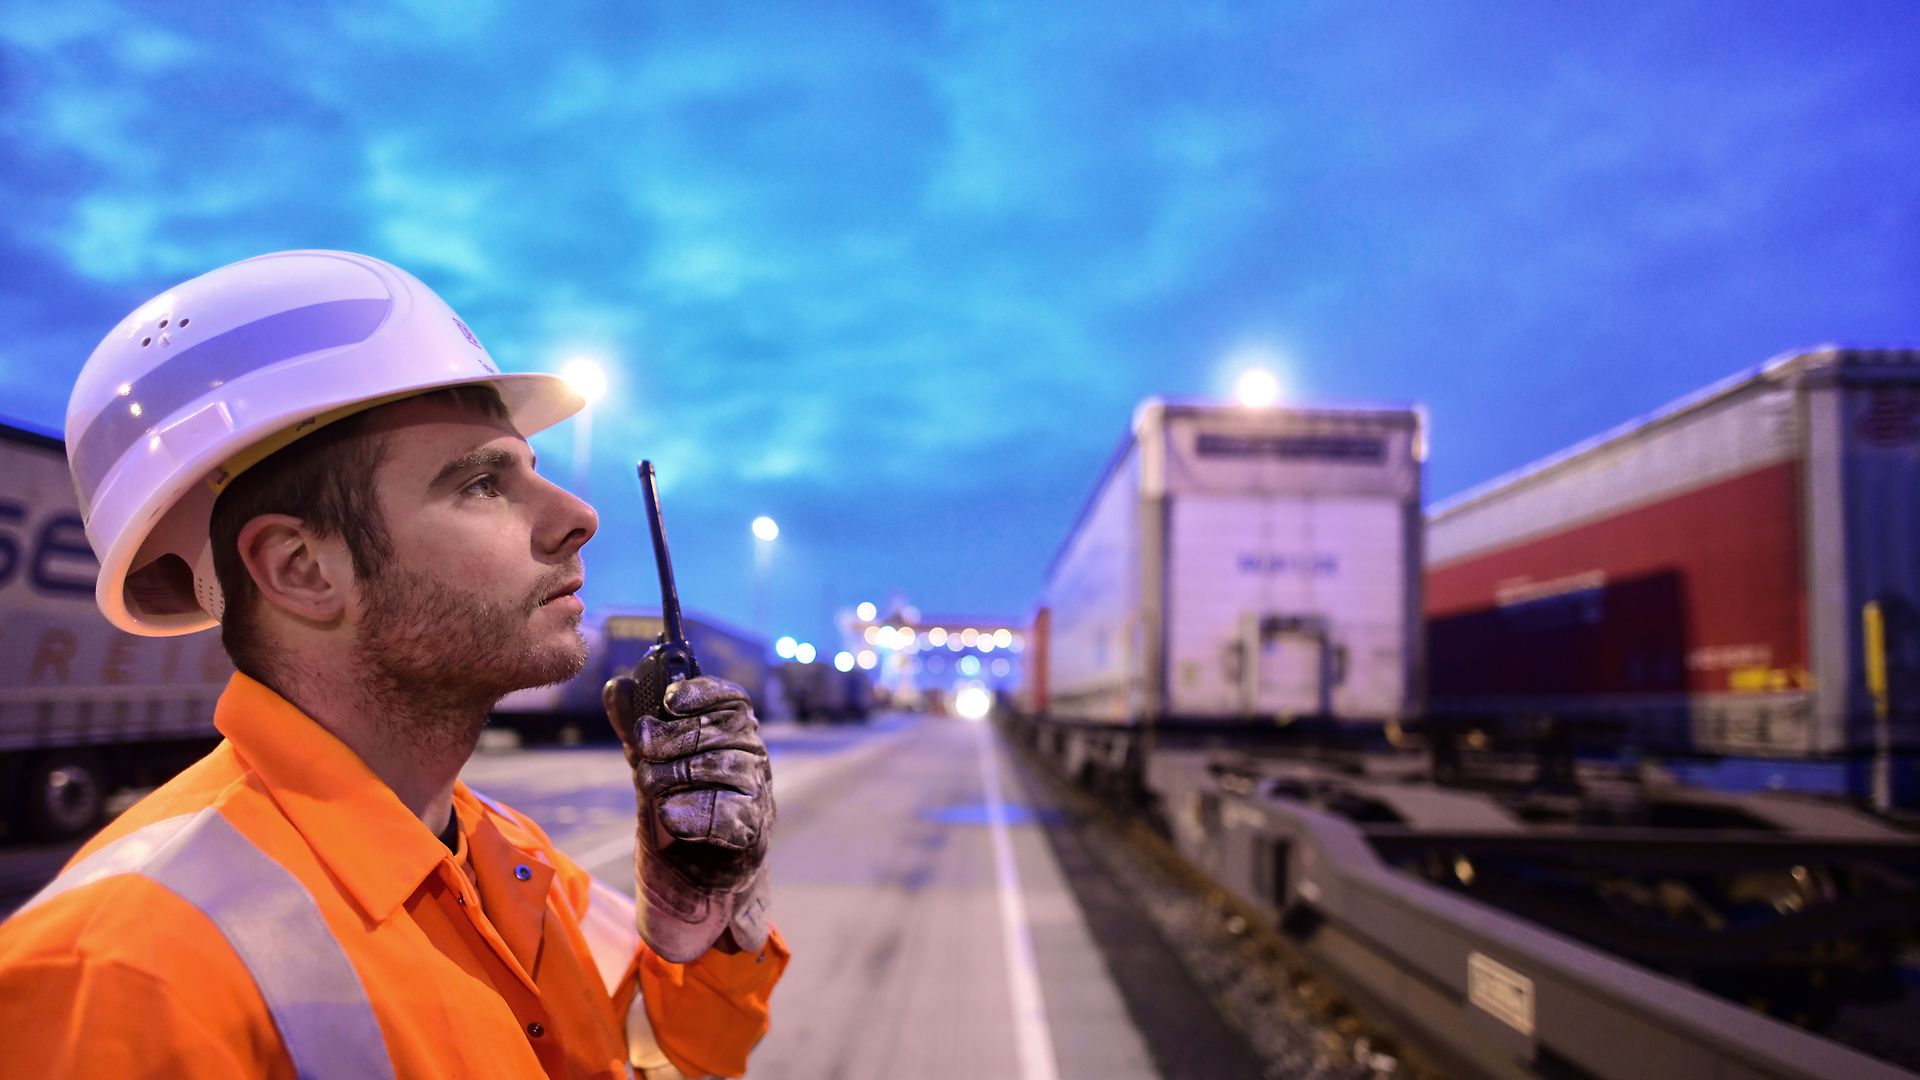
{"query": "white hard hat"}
pixel 260 352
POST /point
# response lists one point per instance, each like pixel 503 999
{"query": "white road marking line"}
pixel 1032 1036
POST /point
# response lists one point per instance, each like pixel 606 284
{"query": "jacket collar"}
pixel 358 828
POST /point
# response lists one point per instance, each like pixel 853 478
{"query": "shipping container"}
pixel 1241 565
pixel 1736 573
pixel 84 708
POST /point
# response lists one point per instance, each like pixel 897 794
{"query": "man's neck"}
pixel 417 748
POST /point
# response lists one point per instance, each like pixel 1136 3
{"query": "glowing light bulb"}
pixel 973 703
pixel 586 377
pixel 1257 388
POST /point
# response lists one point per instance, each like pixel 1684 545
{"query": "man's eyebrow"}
pixel 484 457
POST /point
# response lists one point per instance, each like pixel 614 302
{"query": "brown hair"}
pixel 326 479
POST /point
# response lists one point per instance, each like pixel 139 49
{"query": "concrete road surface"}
pixel 933 934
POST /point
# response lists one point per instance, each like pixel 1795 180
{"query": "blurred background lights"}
pixel 1256 388
pixel 969 665
pixel 784 648
pixel 1001 668
pixel 937 636
pixel 865 612
pixel 969 637
pixel 587 378
pixel 973 702
pixel 764 528
pixel 872 634
pixel 804 652
pixel 843 661
pixel 1003 637
pixel 867 659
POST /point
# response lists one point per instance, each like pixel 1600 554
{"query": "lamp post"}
pixel 590 382
pixel 765 532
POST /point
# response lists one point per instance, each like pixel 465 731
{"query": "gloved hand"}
pixel 706 815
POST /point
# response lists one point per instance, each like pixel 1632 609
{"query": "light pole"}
pixel 765 532
pixel 590 382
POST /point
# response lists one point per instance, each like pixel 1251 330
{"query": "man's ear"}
pixel 296 571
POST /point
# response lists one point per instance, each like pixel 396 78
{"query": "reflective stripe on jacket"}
pixel 276 911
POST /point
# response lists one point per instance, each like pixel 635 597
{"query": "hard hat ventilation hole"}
pixel 146 341
pixel 184 321
pixel 163 324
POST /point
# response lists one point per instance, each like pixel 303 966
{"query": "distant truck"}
pixel 616 640
pixel 819 693
pixel 1736 574
pixel 85 709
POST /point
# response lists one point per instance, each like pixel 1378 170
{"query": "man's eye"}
pixel 485 486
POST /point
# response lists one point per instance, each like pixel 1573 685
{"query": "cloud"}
pixel 899 272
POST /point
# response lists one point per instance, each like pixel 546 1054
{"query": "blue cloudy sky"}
pixel 896 273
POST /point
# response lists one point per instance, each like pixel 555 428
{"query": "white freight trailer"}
pixel 84 708
pixel 1242 565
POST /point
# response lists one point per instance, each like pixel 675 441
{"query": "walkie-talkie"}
pixel 671 658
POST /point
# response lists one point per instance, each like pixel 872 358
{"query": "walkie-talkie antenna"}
pixel 669 595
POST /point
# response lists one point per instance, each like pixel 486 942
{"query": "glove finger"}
pixel 740 770
pixel 669 737
pixel 691 697
pixel 616 697
pixel 740 821
pixel 714 818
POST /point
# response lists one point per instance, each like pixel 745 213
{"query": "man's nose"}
pixel 567 523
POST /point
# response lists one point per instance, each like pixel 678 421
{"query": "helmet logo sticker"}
pixel 485 360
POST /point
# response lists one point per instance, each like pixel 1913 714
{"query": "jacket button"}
pixel 522 873
pixel 535 1029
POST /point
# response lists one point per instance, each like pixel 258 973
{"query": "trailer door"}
pixel 1286 606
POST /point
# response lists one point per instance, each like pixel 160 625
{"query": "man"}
pixel 312 449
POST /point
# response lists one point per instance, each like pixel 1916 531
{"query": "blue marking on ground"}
pixel 977 814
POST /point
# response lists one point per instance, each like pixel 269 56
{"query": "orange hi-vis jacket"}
pixel 275 911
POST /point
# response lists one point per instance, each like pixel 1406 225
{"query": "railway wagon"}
pixel 1239 568
pixel 85 709
pixel 1735 574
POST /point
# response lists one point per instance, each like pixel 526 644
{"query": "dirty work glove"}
pixel 706 814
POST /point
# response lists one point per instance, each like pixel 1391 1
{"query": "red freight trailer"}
pixel 1737 573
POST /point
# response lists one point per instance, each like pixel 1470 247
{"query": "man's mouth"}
pixel 566 588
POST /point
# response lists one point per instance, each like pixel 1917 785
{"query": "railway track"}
pixel 1495 945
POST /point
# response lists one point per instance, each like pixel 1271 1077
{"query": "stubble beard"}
pixel 439 657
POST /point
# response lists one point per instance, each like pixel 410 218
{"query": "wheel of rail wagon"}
pixel 63 794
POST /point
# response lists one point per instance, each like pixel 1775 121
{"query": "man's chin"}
pixel 560 663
